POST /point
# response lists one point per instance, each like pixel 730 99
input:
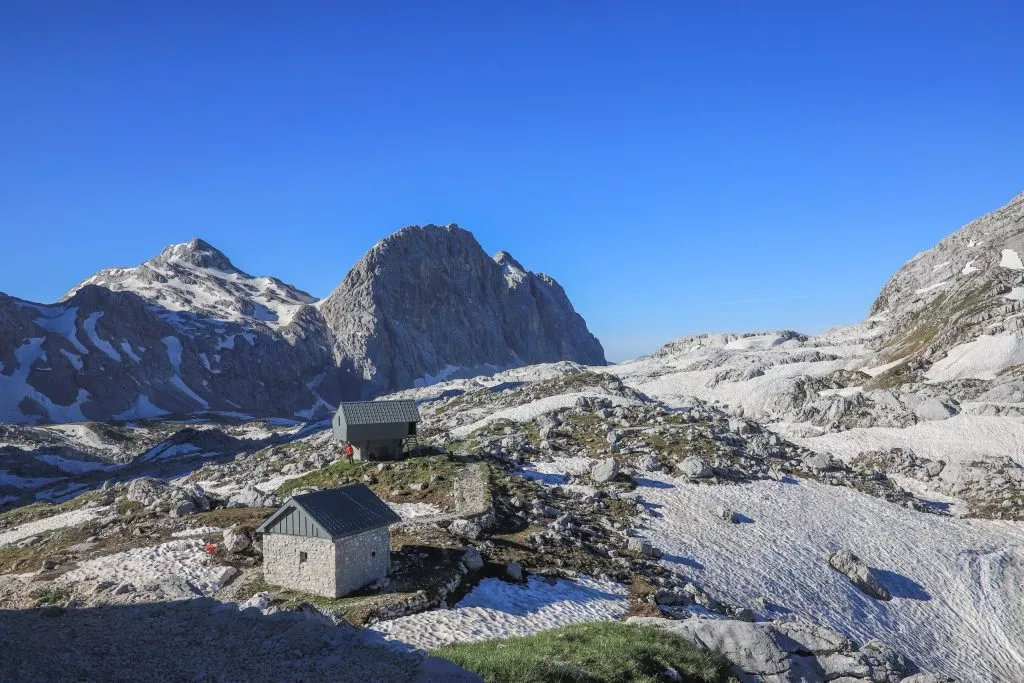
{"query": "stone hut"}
pixel 376 430
pixel 328 543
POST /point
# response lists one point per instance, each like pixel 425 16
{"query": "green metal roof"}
pixel 379 412
pixel 340 512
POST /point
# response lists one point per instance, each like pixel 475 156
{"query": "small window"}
pixel 373 553
pixel 303 557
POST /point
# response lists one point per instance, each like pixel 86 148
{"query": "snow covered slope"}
pixel 184 332
pixel 196 278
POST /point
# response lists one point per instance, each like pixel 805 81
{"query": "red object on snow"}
pixel 211 548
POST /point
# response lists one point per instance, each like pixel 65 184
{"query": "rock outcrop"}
pixel 969 286
pixel 427 302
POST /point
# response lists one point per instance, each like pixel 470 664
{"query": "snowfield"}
pixel 961 438
pixel 183 562
pixel 982 358
pixel 497 609
pixel 957 584
pixel 64 519
pixel 528 411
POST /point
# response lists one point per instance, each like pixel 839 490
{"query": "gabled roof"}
pixel 340 512
pixel 379 412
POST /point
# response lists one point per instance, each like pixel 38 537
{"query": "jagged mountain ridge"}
pixel 189 332
pixel 428 302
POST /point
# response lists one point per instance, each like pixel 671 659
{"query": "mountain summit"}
pixel 187 331
pixel 428 303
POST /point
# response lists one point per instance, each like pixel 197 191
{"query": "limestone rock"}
pixel 146 491
pixel 603 471
pixel 464 528
pixel 472 559
pixel 250 496
pixel 860 575
pixel 429 298
pixel 235 541
pixel 695 467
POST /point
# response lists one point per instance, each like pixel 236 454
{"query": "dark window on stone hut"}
pixel 302 557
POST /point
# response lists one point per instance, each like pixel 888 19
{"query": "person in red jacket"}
pixel 348 451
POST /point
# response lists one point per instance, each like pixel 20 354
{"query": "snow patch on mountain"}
pixel 1009 258
pixel 982 358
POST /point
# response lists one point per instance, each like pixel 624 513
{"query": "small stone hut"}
pixel 328 543
pixel 376 430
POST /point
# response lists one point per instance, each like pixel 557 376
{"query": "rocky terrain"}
pixel 812 507
pixel 187 332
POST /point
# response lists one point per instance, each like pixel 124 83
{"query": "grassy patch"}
pixel 597 651
pixel 50 596
pixel 247 519
pixel 393 483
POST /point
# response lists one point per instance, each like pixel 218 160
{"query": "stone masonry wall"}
pixel 362 559
pixel 281 564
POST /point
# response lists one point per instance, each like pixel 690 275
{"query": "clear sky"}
pixel 679 167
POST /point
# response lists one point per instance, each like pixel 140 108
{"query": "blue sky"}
pixel 678 167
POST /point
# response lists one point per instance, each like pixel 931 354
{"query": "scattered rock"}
pixel 463 528
pixel 472 559
pixel 603 471
pixel 860 575
pixel 250 496
pixel 727 514
pixel 695 467
pixel 642 547
pixel 235 541
pixel 146 491
pixel 514 571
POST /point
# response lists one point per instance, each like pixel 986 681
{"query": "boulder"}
pixel 146 491
pixel 727 514
pixel 648 463
pixel 805 637
pixel 859 574
pixel 934 409
pixel 603 471
pixel 695 467
pixel 642 547
pixel 514 571
pixel 463 528
pixel 820 462
pixel 235 540
pixel 749 647
pixel 472 559
pixel 250 496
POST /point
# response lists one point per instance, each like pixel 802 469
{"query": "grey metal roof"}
pixel 379 412
pixel 342 511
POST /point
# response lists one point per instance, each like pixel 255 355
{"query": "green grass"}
pixel 596 651
pixel 51 596
pixel 397 475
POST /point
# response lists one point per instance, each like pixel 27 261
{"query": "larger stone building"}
pixel 328 543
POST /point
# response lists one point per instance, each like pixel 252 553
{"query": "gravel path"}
pixel 201 639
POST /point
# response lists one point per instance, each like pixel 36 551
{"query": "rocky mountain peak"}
pixel 199 253
pixel 428 302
